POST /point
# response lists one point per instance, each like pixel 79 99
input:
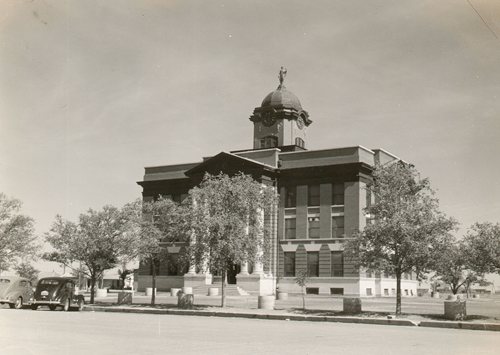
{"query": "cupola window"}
pixel 269 142
pixel 299 142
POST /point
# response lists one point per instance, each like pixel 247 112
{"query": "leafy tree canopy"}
pixel 483 247
pixel 99 241
pixel 406 224
pixel 27 271
pixel 17 238
pixel 164 222
pixel 453 268
pixel 228 221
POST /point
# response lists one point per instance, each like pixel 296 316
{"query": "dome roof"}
pixel 281 97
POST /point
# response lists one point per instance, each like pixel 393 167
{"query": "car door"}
pixel 24 290
pixel 71 292
pixel 28 292
pixel 67 291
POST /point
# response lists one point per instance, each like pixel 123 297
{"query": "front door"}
pixel 232 271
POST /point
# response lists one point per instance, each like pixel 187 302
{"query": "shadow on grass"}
pixel 160 306
pixel 471 317
pixel 322 312
pixel 373 314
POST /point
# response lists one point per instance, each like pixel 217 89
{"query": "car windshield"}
pixel 49 282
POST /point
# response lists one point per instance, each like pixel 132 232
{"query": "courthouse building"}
pixel 322 194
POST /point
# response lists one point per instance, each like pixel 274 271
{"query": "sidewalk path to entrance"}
pixel 421 312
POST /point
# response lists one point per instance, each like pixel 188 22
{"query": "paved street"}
pixel 45 332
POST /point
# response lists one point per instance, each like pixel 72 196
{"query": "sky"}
pixel 91 92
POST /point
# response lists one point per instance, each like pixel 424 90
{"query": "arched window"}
pixel 299 142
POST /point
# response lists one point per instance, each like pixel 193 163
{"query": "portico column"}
pixel 258 268
pixel 244 268
pixel 204 265
pixel 244 265
pixel 192 241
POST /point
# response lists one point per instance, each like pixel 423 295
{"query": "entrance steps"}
pixel 230 290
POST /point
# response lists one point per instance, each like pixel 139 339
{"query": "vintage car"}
pixel 16 291
pixel 57 291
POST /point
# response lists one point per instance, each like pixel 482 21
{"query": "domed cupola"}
pixel 280 104
pixel 280 120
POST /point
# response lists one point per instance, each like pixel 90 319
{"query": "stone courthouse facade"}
pixel 322 194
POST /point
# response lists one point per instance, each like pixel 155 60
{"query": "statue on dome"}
pixel 282 75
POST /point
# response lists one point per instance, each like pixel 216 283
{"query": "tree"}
pixel 164 222
pixel 482 244
pixel 27 271
pixel 302 279
pixel 452 267
pixel 406 225
pixel 228 222
pixel 16 233
pixel 99 241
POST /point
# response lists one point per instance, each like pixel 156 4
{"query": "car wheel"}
pixel 34 307
pixel 66 305
pixel 12 305
pixel 81 303
pixel 19 303
pixel 52 307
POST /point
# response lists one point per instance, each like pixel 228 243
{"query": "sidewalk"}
pixel 319 309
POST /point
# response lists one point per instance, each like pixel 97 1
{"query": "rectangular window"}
pixel 312 290
pixel 313 195
pixel 386 292
pixel 337 262
pixel 338 194
pixel 336 291
pixel 290 228
pixel 313 264
pixel 337 226
pixel 368 291
pixel 290 196
pixel 368 197
pixel 289 264
pixel 313 227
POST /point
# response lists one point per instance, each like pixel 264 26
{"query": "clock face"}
pixel 300 123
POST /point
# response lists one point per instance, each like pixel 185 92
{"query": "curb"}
pixel 286 317
pixel 306 318
pixel 461 325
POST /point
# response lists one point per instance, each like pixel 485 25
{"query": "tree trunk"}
pixel 223 289
pixel 398 293
pixel 153 283
pixel 303 299
pixel 92 288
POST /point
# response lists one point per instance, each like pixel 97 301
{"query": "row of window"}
pixel 313 227
pixel 272 142
pixel 336 264
pixel 313 195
